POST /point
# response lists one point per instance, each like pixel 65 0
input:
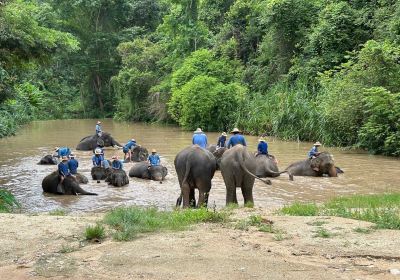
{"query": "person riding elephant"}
pixel 49 159
pixel 199 138
pixel 195 168
pixel 117 177
pixel 262 147
pixel 99 131
pixel 321 165
pixel 221 140
pixel 138 153
pixel 70 185
pixel 266 166
pixel 236 138
pixel 90 142
pixel 144 171
pixel 73 168
pixel 238 167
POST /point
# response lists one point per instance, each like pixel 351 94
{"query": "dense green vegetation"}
pixel 326 70
pixel 381 209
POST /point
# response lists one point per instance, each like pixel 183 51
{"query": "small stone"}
pixel 394 271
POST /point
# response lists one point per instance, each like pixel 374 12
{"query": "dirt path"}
pixel 43 246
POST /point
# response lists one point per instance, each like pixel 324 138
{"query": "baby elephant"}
pixel 48 159
pixel 142 170
pixel 117 178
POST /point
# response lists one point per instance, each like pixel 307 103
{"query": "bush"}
pixel 7 201
pixel 95 232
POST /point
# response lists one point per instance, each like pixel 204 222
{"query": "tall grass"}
pixel 381 209
pixel 128 222
pixel 7 201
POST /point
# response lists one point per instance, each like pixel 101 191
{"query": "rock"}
pixel 394 271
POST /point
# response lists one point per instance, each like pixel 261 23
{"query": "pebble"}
pixel 394 271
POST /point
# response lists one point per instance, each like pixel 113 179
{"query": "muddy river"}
pixel 20 173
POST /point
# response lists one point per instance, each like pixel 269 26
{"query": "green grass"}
pixel 317 223
pixel 323 233
pixel 7 201
pixel 381 209
pixel 128 222
pixel 95 232
pixel 58 212
pixel 67 249
pixel 363 230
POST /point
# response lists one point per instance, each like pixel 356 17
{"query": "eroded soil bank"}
pixel 44 246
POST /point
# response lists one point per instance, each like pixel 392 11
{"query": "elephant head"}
pixel 158 172
pixel 218 155
pixel 324 164
pixel 48 159
pixel 109 140
pixel 117 177
pixel 139 153
pixel 99 173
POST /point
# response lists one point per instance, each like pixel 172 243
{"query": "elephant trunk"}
pixel 332 171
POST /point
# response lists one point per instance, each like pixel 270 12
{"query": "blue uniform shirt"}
pixel 128 146
pixel 154 159
pixel 221 141
pixel 262 148
pixel 63 151
pixel 98 128
pixel 200 139
pixel 63 169
pixel 236 139
pixel 313 151
pixel 73 166
pixel 116 164
pixel 97 159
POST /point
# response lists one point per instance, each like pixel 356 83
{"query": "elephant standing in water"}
pixel 195 168
pixel 69 186
pixel 99 173
pixel 266 166
pixel 92 141
pixel 138 153
pixel 319 166
pixel 238 167
pixel 117 178
pixel 48 159
pixel 142 170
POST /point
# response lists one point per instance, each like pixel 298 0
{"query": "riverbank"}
pixel 43 246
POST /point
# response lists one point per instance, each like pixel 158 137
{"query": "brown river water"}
pixel 20 173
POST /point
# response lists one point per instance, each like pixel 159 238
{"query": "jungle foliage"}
pixel 326 70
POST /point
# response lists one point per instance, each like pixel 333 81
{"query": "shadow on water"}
pixel 20 173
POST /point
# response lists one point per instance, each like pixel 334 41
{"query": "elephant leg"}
pixel 186 195
pixel 204 187
pixel 231 194
pixel 192 198
pixel 247 190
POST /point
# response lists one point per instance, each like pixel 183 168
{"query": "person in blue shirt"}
pixel 116 164
pixel 97 159
pixel 199 138
pixel 98 129
pixel 262 148
pixel 63 171
pixel 73 164
pixel 127 149
pixel 221 140
pixel 154 158
pixel 313 153
pixel 237 138
pixel 60 152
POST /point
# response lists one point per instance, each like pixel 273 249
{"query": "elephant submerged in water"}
pixel 266 166
pixel 92 141
pixel 195 168
pixel 321 165
pixel 70 185
pixel 142 170
pixel 99 173
pixel 138 153
pixel 48 159
pixel 117 178
pixel 238 168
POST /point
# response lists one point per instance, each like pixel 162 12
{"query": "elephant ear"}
pixel 315 162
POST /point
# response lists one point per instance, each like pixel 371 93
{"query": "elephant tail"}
pixel 240 158
pixel 179 200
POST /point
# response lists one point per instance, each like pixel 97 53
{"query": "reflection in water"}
pixel 20 173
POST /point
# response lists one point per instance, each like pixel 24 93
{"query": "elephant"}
pixel 117 178
pixel 195 168
pixel 99 173
pixel 70 185
pixel 317 167
pixel 142 170
pixel 48 159
pixel 238 168
pixel 92 141
pixel 217 153
pixel 266 166
pixel 138 153
pixel 82 179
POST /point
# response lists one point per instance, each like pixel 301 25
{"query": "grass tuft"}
pixel 300 209
pixel 128 222
pixel 7 201
pixel 95 232
pixel 323 233
pixel 363 230
pixel 58 212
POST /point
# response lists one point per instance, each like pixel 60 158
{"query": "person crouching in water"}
pixel 127 149
pixel 116 163
pixel 262 148
pixel 154 158
pixel 221 141
pixel 73 164
pixel 63 171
